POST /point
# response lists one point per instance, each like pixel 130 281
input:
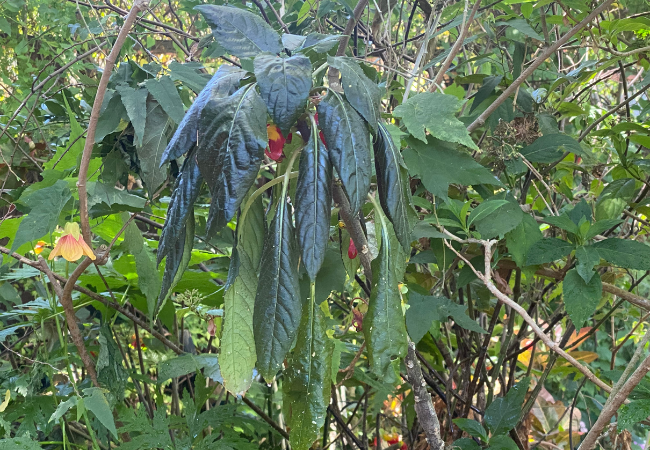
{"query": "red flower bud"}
pixel 352 250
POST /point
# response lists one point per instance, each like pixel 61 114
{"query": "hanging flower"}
pixel 40 245
pixel 352 250
pixel 276 143
pixel 72 245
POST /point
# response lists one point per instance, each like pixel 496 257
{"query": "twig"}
pixel 266 418
pixel 333 74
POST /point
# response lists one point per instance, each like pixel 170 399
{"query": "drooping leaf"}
pixel 580 298
pixel 363 94
pixel 550 147
pixel 164 91
pixel 178 255
pixel 489 83
pixel 112 112
pixel 104 199
pixel 348 143
pixel 624 253
pixel 503 413
pixel 46 205
pixel 439 164
pixel 384 327
pixel 95 402
pixel 63 408
pixel 20 443
pixel 393 186
pixel 284 85
pixel 588 257
pixel 223 84
pixel 307 386
pixel 563 221
pixel 190 74
pixel 238 354
pixel 313 204
pixel 242 33
pixel 435 113
pixel 135 103
pixel 110 371
pixel 153 145
pixel 232 139
pixel 277 303
pixel 547 250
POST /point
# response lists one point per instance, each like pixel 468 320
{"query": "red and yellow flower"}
pixel 276 143
pixel 39 247
pixel 72 245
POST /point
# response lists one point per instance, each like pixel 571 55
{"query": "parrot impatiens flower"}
pixel 72 245
pixel 276 143
pixel 40 245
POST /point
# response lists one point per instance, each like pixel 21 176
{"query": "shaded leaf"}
pixel 189 74
pixel 580 298
pixel 522 26
pixel 624 253
pixel 164 91
pixel 188 363
pixel 550 147
pixel 106 199
pixel 95 402
pixel 112 112
pixel 489 83
pixel 503 413
pixel 135 103
pixel 472 427
pixel 614 198
pixel 588 257
pixel 500 221
pixel 178 258
pixel 154 142
pixel 633 413
pixel 547 250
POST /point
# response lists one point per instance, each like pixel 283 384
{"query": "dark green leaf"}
pixel 223 84
pixel 563 221
pixel 178 258
pixel 284 85
pixel 614 198
pixel 348 143
pixel 600 226
pixel 633 413
pixel 240 32
pixel 472 427
pixel 624 253
pixel 135 103
pixel 383 325
pixel 363 94
pixel 46 205
pixel 393 186
pixel 307 386
pixel 313 204
pixel 164 92
pixel 580 298
pixel 503 413
pixel 550 147
pixel 547 250
pixel 438 165
pixel 154 142
pixel 466 444
pixel 106 199
pixel 435 113
pixel 502 443
pixel 189 74
pixel 485 209
pixel 237 340
pixel 232 139
pixel 422 311
pixel 95 402
pixel 489 83
pixel 523 27
pixel 503 219
pixel 188 363
pixel 277 303
pixel 588 257
pixel 112 112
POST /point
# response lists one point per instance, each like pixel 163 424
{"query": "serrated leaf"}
pixel 164 91
pixel 277 303
pixel 232 139
pixel 393 186
pixel 550 147
pixel 135 103
pixel 614 198
pixel 580 298
pixel 240 32
pixel 624 253
pixel 485 209
pixel 154 142
pixel 284 85
pixel 633 413
pixel 313 204
pixel 307 386
pixel 435 113
pixel 238 355
pixel 563 221
pixel 348 143
pixel 95 402
pixel 439 164
pixel 548 250
pixel 600 226
pixel 384 327
pixel 360 91
pixel 503 219
pixel 588 257
pixel 223 84
pixel 503 413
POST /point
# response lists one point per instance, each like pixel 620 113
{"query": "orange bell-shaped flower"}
pixel 72 245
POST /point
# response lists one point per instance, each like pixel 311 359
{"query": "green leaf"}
pixel 550 148
pixel 223 84
pixel 360 91
pixel 489 83
pixel 95 402
pixel 564 222
pixel 238 355
pixel 580 298
pixel 284 85
pixel 277 304
pixel 393 186
pixel 503 413
pixel 189 74
pixel 466 444
pixel 435 113
pixel 164 91
pixel 472 427
pixel 547 250
pixel 588 257
pixel 523 27
pixel 111 114
pixel 153 145
pixel 70 159
pixel 383 325
pixel 502 443
pixel 232 139
pixel 501 220
pixel 600 226
pixel 188 363
pixel 485 209
pixel 439 164
pixel 614 198
pixel 105 199
pixel 624 253
pixel 46 205
pixel 135 103
pixel 110 372
pixel 20 443
pixel 307 386
pixel 178 255
pixel 63 408
pixel 348 143
pixel 633 413
pixel 522 238
pixel 313 204
pixel 242 33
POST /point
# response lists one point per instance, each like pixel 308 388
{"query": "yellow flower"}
pixel 72 245
pixel 40 245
